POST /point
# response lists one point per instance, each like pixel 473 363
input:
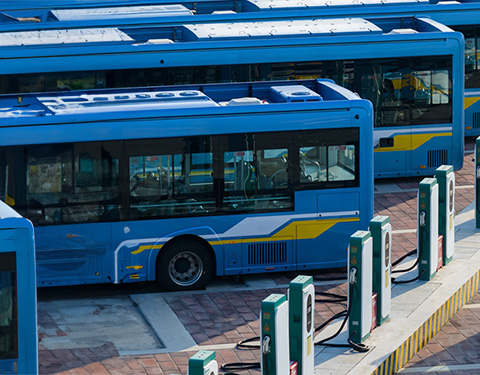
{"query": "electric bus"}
pixel 18 295
pixel 411 69
pixel 177 184
pixel 463 16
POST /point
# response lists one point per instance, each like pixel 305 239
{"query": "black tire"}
pixel 184 265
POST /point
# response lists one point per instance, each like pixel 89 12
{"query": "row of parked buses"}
pixel 173 142
pixel 142 144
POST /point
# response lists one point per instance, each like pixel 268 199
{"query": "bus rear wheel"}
pixel 184 265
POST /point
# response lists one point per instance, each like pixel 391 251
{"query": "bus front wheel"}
pixel 184 265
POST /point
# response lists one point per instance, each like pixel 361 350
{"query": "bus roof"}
pixel 221 31
pixel 322 27
pixel 141 102
pixel 145 11
pixel 32 38
pixel 279 4
pixel 154 12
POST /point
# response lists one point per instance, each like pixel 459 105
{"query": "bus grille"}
pixel 436 158
pixel 267 253
pixel 476 120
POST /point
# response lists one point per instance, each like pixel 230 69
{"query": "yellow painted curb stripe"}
pixel 310 229
pixel 429 328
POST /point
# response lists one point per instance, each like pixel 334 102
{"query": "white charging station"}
pixel 360 286
pixel 203 363
pixel 274 344
pixel 301 301
pixel 427 228
pixel 446 206
pixel 381 230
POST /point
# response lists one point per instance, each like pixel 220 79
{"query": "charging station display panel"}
pixel 8 308
pixel 385 303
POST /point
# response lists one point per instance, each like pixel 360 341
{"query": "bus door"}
pixel 8 311
pixel 430 107
pixel 385 84
pixel 332 168
pixel 71 195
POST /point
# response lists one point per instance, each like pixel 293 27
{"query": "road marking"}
pixel 404 231
pixel 472 306
pixel 443 368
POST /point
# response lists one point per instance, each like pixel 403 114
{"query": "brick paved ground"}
pixel 458 343
pixel 226 317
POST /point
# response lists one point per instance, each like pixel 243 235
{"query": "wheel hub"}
pixel 185 268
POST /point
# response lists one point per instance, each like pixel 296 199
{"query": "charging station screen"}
pixel 8 307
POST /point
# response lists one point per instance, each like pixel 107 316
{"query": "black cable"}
pixel 329 320
pixel 239 366
pixel 395 281
pixel 346 313
pixel 403 257
pixel 409 268
pixel 340 297
pixel 336 298
pixel 242 344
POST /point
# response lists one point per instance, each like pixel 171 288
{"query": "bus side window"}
pixel 49 182
pixel 151 176
pixel 341 164
pixel 257 180
pixel 7 191
pixel 272 168
pixel 327 163
pixel 313 164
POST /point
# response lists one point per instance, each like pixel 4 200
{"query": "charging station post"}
pixel 301 301
pixel 203 363
pixel 360 286
pixel 381 231
pixel 477 182
pixel 275 358
pixel 446 208
pixel 427 228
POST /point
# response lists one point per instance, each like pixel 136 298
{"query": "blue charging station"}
pixel 18 298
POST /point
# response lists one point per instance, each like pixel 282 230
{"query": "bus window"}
pixel 313 164
pixel 332 163
pixel 7 191
pixel 272 169
pixel 172 184
pixel 96 194
pixel 151 176
pixel 69 189
pixel 341 163
pixel 322 163
pixel 256 176
pixel 49 182
pixel 8 307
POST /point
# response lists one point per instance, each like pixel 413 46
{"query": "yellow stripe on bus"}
pixel 409 142
pixel 471 100
pixel 301 230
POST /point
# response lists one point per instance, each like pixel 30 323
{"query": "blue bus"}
pixel 411 69
pixel 177 184
pixel 18 295
pixel 462 16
